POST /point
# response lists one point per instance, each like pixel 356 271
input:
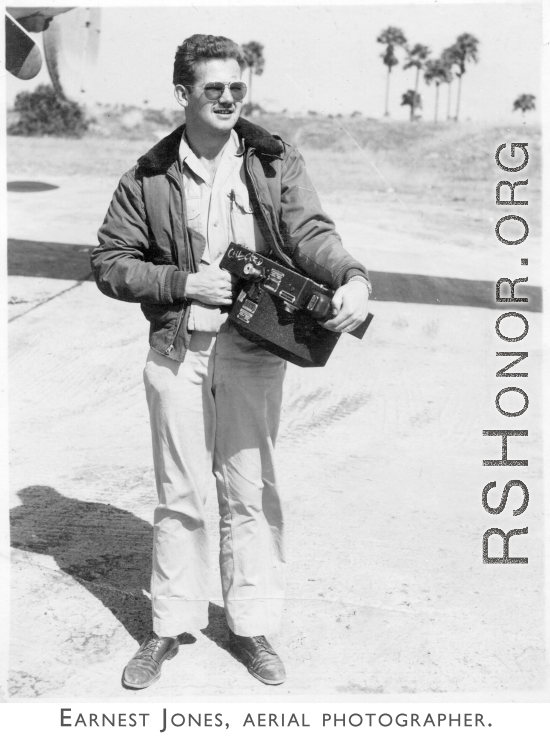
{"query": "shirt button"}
pixel 215 225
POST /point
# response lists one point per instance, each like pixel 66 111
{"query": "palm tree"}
pixel 524 103
pixel 448 59
pixel 413 100
pixel 416 57
pixel 391 37
pixel 254 56
pixel 437 71
pixel 465 50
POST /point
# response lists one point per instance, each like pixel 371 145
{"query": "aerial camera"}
pixel 280 309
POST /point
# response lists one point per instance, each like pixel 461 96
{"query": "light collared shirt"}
pixel 219 209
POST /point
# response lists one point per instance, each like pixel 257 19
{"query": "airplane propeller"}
pixel 71 45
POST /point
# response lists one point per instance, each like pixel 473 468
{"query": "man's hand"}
pixel 349 307
pixel 211 286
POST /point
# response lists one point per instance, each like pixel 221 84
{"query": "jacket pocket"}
pixel 193 210
pixel 162 317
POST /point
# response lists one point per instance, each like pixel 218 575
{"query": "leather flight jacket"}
pixel 146 249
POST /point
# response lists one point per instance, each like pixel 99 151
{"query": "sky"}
pixel 322 57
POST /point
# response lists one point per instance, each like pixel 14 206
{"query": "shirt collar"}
pixel 234 147
pixel 240 144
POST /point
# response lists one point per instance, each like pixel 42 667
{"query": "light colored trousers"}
pixel 217 412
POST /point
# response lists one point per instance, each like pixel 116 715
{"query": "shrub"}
pixel 252 108
pixel 161 118
pixel 44 113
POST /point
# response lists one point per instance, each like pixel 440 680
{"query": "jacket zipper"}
pixel 182 312
pixel 266 217
pixel 178 185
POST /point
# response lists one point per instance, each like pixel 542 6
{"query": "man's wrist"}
pixel 190 286
pixel 362 280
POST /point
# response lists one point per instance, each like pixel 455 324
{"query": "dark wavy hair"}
pixel 201 47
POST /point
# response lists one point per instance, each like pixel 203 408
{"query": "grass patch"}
pixel 447 162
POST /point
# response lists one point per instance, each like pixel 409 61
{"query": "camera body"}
pixel 279 308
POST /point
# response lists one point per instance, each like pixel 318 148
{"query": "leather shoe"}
pixel 259 657
pixel 144 668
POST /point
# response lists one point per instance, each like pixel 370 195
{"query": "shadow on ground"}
pixel 47 260
pixel 30 186
pixel 65 261
pixel 106 549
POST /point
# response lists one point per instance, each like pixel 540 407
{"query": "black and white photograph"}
pixel 274 354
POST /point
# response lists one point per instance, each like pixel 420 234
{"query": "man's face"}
pixel 211 116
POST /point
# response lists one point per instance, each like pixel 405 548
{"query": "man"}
pixel 214 397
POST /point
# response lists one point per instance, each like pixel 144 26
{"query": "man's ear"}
pixel 181 94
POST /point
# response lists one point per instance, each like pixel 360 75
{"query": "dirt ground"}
pixel 380 461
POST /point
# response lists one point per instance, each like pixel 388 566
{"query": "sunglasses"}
pixel 214 90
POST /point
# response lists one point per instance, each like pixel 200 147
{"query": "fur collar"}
pixel 159 159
